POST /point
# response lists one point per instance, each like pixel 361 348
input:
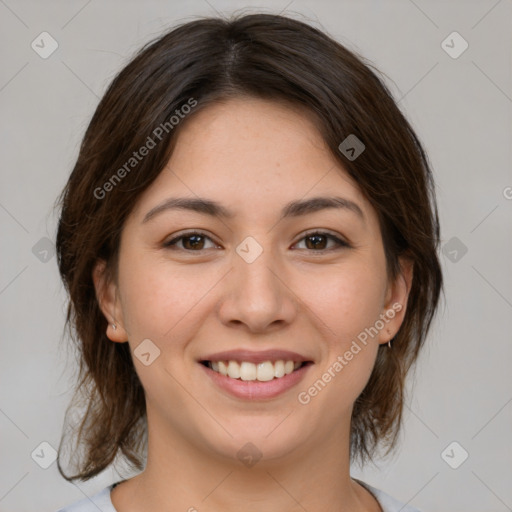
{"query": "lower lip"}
pixel 255 389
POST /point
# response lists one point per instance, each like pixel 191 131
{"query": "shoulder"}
pixel 387 502
pixel 100 500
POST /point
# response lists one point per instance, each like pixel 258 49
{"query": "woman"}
pixel 249 241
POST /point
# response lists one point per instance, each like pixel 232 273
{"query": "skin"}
pixel 252 156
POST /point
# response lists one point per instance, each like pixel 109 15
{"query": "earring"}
pixel 114 326
pixel 389 343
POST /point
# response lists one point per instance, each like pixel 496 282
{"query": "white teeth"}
pixel 265 371
pixel 234 370
pixel 279 369
pixel 247 371
pixel 223 369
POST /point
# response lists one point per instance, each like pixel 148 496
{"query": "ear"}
pixel 395 303
pixel 108 299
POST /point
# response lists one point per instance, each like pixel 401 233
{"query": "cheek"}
pixel 159 304
pixel 347 301
pixel 157 297
pixel 163 301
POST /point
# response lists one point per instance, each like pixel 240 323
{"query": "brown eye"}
pixel 191 242
pixel 318 241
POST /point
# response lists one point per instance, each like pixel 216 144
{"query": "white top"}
pixel 102 502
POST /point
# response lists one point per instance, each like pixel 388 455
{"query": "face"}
pixel 251 281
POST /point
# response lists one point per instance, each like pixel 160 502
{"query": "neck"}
pixel 188 478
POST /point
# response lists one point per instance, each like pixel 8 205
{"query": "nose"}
pixel 257 296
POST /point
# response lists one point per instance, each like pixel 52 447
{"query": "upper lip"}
pixel 256 357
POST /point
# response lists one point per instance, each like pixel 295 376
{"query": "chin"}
pixel 259 440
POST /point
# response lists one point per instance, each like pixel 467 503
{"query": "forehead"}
pixel 252 155
pixel 253 134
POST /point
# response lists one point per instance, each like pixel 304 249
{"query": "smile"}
pixel 255 375
pixel 248 371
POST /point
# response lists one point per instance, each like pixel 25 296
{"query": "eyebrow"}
pixel 292 209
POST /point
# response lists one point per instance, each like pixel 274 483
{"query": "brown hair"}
pixel 207 60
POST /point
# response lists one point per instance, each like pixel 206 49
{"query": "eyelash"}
pixel 340 243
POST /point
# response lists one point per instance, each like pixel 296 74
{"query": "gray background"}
pixel 461 108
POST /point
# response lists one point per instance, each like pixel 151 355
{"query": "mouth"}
pixel 259 375
pixel 261 372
